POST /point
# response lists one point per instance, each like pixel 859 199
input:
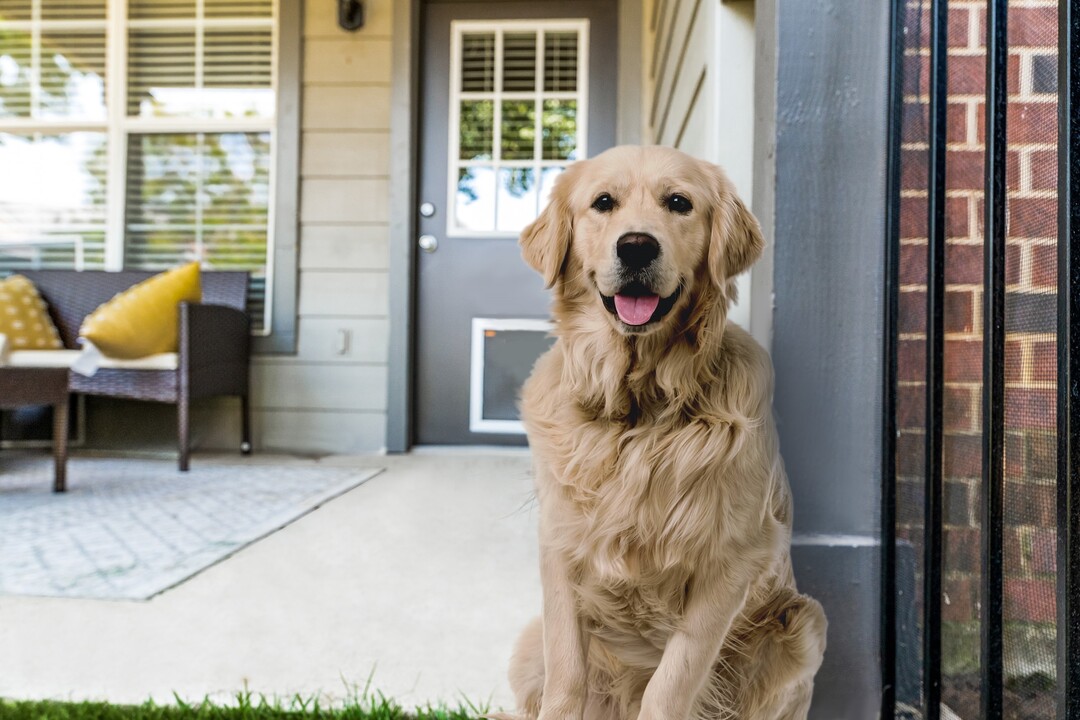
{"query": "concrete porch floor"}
pixel 424 574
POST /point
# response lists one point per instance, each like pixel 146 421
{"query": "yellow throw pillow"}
pixel 142 320
pixel 24 317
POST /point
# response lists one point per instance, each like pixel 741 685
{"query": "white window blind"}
pixel 138 134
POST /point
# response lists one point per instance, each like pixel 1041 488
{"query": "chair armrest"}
pixel 215 349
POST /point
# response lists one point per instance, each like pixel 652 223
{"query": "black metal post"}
pixel 1068 346
pixel 935 359
pixel 993 444
pixel 889 370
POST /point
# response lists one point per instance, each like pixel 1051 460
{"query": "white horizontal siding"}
pixel 346 61
pixel 346 108
pixel 345 247
pixel 320 400
pixel 321 431
pixel 344 200
pixel 345 154
pixel 367 340
pixel 305 386
pixel 344 294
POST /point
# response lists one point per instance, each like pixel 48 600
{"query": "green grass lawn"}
pixel 245 707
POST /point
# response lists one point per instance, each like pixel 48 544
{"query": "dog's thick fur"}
pixel 665 513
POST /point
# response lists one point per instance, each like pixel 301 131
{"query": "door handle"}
pixel 428 243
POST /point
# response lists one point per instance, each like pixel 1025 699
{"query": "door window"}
pixel 517 99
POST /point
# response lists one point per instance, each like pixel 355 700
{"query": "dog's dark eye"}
pixel 605 203
pixel 679 204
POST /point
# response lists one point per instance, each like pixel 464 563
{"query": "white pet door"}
pixel 503 354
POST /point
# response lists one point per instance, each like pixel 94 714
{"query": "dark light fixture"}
pixel 350 14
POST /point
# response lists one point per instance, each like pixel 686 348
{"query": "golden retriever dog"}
pixel 665 513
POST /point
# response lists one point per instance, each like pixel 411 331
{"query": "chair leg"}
pixel 183 420
pixel 245 425
pixel 60 441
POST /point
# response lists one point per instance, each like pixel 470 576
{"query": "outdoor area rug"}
pixel 131 528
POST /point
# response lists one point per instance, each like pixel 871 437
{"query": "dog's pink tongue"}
pixel 636 310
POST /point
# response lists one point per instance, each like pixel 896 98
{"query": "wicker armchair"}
pixel 214 343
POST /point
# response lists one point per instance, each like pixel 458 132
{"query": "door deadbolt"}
pixel 427 209
pixel 428 243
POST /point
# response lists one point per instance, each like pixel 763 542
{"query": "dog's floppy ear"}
pixel 736 241
pixel 546 241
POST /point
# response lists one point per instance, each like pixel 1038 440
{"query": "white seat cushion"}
pixel 64 358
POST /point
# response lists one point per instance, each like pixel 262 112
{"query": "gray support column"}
pixel 828 194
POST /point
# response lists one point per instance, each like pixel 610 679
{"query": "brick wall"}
pixel 1030 323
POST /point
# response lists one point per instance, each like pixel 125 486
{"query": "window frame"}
pixel 459 28
pixel 285 23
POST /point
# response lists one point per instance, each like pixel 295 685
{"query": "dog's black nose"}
pixel 636 250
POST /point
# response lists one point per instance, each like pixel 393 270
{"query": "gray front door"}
pixel 511 93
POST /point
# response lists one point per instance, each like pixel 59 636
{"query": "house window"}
pixel 518 98
pixel 139 134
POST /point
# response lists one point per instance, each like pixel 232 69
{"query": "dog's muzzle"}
pixel 636 305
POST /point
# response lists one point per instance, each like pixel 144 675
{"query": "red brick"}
pixel 915 123
pixel 960 409
pixel 1030 600
pixel 958 604
pixel 914 169
pixel 909 500
pixel 913 218
pixel 1029 503
pixel 909 454
pixel 1032 27
pixel 1044 361
pixel 1012 544
pixel 1044 266
pixel 959 311
pixel 1041 454
pixel 963 456
pixel 911 361
pixel 958 26
pixel 1012 264
pixel 964 170
pixel 912 307
pixel 1014 365
pixel 1030 454
pixel 1044 550
pixel 1032 217
pixel 957 505
pixel 961 552
pixel 910 406
pixel 1030 122
pixel 913 263
pixel 1015 456
pixel 1029 408
pixel 967 74
pixel 1014 368
pixel 1044 170
pixel 963 264
pixel 963 360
